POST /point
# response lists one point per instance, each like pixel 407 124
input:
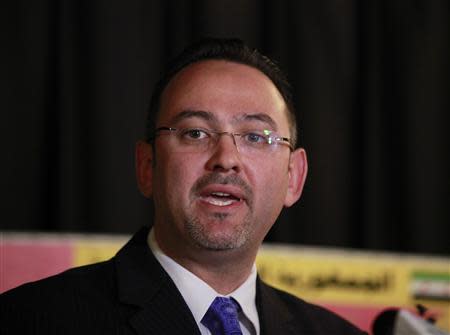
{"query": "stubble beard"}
pixel 222 240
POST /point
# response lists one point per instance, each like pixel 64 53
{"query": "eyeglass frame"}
pixel 277 140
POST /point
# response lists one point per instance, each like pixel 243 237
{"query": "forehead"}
pixel 225 89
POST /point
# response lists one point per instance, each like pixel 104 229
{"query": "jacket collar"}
pixel 142 283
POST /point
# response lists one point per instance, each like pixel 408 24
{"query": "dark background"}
pixel 372 87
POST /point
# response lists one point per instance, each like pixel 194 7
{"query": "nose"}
pixel 225 155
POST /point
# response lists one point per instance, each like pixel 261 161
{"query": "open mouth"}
pixel 221 199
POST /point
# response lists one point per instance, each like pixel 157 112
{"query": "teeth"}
pixel 220 199
pixel 218 202
pixel 220 194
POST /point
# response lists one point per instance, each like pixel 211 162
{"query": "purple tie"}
pixel 222 317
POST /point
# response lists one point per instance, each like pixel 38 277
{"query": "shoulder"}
pixel 52 302
pixel 70 282
pixel 310 318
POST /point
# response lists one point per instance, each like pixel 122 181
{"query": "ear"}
pixel 144 172
pixel 298 168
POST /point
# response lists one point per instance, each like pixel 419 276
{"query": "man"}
pixel 220 164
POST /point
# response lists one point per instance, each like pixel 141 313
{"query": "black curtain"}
pixel 372 87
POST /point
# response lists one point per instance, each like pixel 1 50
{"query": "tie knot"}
pixel 222 317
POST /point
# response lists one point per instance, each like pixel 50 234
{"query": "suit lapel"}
pixel 166 313
pixel 143 283
pixel 274 316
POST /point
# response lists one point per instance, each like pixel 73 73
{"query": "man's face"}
pixel 221 198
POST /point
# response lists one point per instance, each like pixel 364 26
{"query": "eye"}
pixel 255 138
pixel 194 134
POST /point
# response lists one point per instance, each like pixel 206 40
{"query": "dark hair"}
pixel 233 50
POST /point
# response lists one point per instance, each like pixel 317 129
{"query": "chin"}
pixel 213 236
pixel 216 244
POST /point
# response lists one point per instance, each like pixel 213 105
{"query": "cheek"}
pixel 176 175
pixel 269 202
pixel 271 189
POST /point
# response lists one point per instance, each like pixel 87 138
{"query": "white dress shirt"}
pixel 199 295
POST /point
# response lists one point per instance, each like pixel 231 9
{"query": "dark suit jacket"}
pixel 132 294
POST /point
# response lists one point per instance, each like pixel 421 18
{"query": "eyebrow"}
pixel 210 117
pixel 261 117
pixel 188 114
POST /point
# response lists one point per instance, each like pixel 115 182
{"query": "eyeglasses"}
pixel 195 140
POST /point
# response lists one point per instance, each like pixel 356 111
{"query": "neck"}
pixel 223 270
pixel 223 276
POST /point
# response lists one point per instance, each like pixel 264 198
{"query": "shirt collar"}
pixel 198 294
